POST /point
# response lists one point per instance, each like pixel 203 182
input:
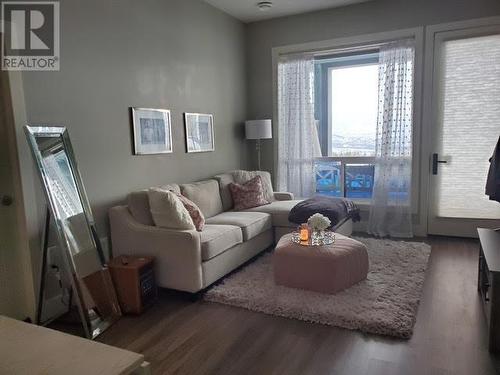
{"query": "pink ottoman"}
pixel 324 269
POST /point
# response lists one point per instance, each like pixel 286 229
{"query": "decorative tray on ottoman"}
pixel 320 238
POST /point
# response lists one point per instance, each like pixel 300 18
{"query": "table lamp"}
pixel 258 129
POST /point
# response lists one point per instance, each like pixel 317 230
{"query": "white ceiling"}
pixel 247 10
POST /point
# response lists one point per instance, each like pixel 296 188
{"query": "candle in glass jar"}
pixel 304 232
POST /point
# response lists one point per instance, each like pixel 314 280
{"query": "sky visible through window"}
pixel 354 106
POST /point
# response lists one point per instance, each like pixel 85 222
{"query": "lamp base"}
pixel 257 147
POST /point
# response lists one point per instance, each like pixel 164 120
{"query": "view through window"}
pixel 354 106
pixel 346 109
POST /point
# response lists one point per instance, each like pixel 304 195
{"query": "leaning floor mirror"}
pixel 68 208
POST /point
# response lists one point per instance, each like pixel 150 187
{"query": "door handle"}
pixel 6 200
pixel 435 162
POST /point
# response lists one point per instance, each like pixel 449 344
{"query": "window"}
pixel 346 107
pixel 353 110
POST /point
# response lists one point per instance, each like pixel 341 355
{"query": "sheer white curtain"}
pixel 390 212
pixel 298 142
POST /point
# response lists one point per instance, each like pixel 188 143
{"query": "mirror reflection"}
pixel 70 211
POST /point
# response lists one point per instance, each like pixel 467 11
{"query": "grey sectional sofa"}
pixel 188 260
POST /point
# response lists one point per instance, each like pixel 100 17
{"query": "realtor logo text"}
pixel 30 35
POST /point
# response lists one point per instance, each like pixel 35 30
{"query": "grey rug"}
pixel 385 303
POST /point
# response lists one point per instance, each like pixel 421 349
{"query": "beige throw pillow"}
pixel 168 211
pixel 240 177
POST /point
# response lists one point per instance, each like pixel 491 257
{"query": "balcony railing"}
pixel 336 178
pixel 346 177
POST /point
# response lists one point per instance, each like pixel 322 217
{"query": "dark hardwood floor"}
pixel 179 336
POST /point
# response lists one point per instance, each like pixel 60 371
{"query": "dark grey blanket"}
pixel 338 210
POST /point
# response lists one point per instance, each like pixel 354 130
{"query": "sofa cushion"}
pixel 251 223
pixel 168 211
pixel 138 204
pixel 205 194
pixel 279 211
pixel 240 177
pixel 215 239
pixel 224 180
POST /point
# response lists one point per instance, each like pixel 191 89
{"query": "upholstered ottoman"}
pixel 324 269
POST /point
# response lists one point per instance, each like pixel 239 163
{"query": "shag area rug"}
pixel 385 303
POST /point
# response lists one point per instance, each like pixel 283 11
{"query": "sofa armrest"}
pixel 283 196
pixel 177 252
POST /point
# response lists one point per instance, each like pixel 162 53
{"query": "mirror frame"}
pixel 32 132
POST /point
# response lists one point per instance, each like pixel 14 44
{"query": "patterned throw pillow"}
pixel 240 177
pixel 194 211
pixel 248 195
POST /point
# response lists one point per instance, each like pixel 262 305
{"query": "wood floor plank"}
pixel 179 336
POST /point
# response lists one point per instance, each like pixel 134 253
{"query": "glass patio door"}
pixel 466 128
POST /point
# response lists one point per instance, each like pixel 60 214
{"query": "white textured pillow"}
pixel 168 211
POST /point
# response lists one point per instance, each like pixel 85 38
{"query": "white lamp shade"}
pixel 258 129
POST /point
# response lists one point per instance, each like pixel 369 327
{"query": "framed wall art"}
pixel 199 132
pixel 152 130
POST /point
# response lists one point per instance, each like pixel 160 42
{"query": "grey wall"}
pixel 182 55
pixel 364 18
